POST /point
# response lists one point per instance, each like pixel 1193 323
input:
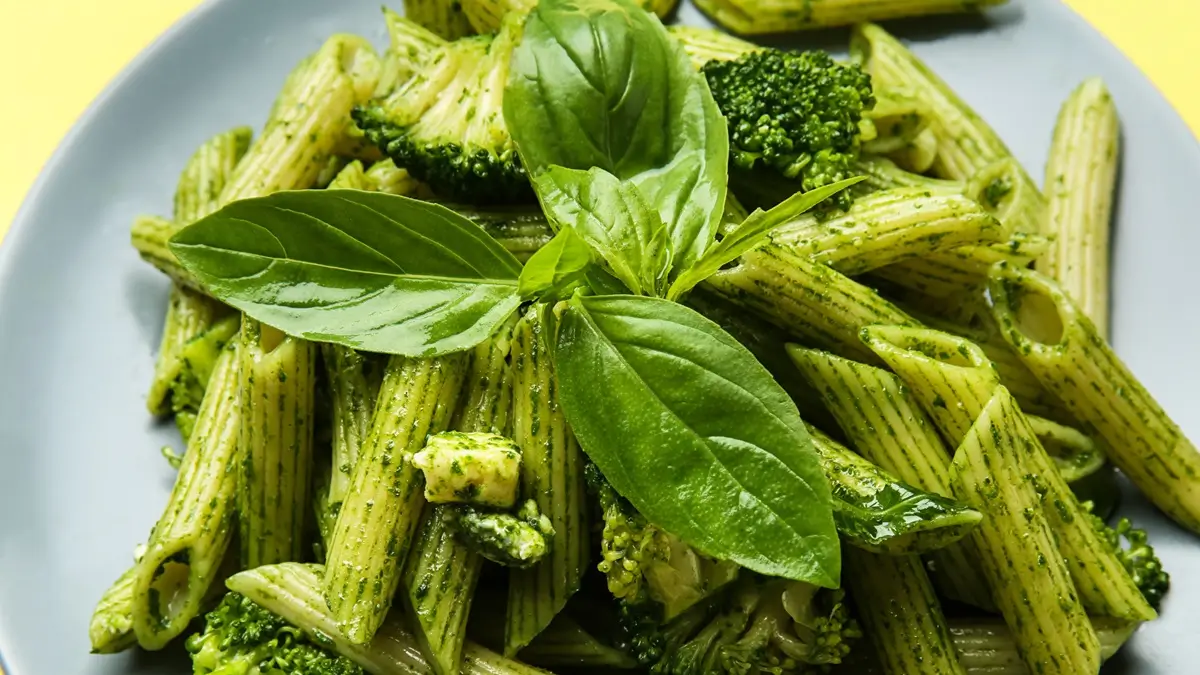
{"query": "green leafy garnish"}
pixel 696 434
pixel 621 95
pixel 372 271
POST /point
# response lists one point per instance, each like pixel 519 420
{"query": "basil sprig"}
pixel 628 155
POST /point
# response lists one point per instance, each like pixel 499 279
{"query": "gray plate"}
pixel 81 480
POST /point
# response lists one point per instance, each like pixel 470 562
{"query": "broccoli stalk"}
pixel 764 626
pixel 796 114
pixel 445 123
pixel 242 638
pixel 1133 549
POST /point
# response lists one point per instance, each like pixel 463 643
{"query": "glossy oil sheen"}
pixel 81 480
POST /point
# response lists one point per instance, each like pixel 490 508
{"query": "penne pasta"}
pixel 1063 348
pixel 821 306
pixel 185 549
pixel 953 380
pixel 1031 583
pixel 552 476
pixel 378 519
pixel 752 17
pixel 1080 176
pixel 275 447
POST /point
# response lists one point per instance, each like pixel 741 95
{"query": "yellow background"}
pixel 57 55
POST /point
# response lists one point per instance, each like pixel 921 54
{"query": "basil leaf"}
pixel 600 83
pixel 602 283
pixel 686 424
pixel 876 512
pixel 368 270
pixel 753 230
pixel 613 217
pixel 555 266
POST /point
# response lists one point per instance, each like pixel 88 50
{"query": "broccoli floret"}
pixel 243 638
pixel 796 113
pixel 1133 549
pixel 445 124
pixel 470 468
pixel 627 545
pixel 653 574
pixel 514 540
pixel 764 626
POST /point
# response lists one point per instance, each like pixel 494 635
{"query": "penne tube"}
pixel 441 573
pixel 754 17
pixel 886 227
pixel 184 553
pixel 275 454
pixel 818 304
pixel 1030 580
pixel 308 121
pixel 552 476
pixel 1063 348
pixel 900 614
pixel 1081 174
pixel 953 379
pixel 377 520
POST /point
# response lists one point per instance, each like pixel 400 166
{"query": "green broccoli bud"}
pixel 796 113
pixel 243 638
pixel 643 562
pixel 514 540
pixel 445 124
pixel 1133 549
pixel 470 468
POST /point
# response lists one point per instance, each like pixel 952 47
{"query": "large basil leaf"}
pixel 687 425
pixel 600 83
pixel 613 217
pixel 752 232
pixel 372 271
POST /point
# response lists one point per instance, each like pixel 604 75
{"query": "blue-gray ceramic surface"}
pixel 81 478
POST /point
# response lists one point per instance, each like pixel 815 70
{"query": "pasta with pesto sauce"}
pixel 476 459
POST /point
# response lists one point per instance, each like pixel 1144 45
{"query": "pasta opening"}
pixel 169 595
pixel 1028 301
pixel 1037 317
